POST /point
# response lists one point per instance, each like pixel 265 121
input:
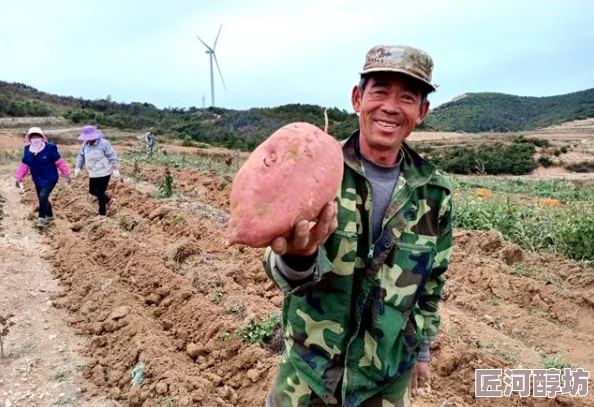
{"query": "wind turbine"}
pixel 212 53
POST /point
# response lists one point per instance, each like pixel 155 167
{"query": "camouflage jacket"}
pixel 361 317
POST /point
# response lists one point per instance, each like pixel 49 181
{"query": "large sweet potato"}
pixel 289 177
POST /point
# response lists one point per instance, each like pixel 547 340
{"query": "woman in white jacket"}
pixel 101 162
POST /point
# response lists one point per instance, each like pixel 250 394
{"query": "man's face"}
pixel 389 108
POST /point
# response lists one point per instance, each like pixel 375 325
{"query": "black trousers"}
pixel 43 194
pixel 97 187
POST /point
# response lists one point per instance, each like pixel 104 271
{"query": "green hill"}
pixel 498 112
pixel 240 129
pixel 245 129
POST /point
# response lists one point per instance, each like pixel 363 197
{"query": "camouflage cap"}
pixel 400 58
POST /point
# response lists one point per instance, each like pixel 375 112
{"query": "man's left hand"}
pixel 420 377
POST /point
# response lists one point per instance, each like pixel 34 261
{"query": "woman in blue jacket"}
pixel 43 160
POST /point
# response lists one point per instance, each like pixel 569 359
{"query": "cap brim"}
pixel 373 70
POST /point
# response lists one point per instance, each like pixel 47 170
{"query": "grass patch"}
pixel 65 399
pixel 566 230
pixel 554 361
pixel 60 376
pixel 554 189
pixel 176 160
pixel 189 142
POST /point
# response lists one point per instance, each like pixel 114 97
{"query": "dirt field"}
pixel 144 304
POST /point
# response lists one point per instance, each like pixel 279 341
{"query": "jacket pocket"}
pixel 402 283
pixel 341 249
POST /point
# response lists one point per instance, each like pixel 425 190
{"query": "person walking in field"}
pixel 43 160
pixel 101 161
pixel 149 139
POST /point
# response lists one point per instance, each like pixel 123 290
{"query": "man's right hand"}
pixel 76 172
pixel 305 239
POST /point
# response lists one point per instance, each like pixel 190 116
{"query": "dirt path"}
pixel 43 363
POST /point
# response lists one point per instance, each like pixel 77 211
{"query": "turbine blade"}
pixel 217 39
pixel 217 62
pixel 204 43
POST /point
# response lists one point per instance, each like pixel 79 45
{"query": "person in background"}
pixel 42 159
pixel 149 139
pixel 101 162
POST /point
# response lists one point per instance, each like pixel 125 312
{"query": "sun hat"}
pixel 34 130
pixel 90 133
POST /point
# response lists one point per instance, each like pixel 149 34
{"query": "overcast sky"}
pixel 278 52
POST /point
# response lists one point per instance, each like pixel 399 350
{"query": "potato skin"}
pixel 288 177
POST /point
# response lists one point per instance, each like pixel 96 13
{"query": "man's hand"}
pixel 76 172
pixel 116 174
pixel 420 378
pixel 305 238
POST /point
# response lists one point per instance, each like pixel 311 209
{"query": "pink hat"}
pixel 90 133
pixel 34 130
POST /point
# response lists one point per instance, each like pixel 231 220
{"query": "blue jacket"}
pixel 43 166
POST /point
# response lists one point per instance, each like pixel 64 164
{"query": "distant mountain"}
pixel 499 112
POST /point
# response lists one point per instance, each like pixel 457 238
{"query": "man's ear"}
pixel 424 110
pixel 356 98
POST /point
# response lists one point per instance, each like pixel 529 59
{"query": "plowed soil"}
pixel 156 292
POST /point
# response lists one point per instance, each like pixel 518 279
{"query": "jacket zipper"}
pixel 370 221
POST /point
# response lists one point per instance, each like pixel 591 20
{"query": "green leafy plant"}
pixel 258 331
pixel 166 189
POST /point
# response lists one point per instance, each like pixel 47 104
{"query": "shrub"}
pixel 584 166
pixel 515 159
pixel 538 142
pixel 545 161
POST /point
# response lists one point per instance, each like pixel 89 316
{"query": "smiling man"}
pixel 362 287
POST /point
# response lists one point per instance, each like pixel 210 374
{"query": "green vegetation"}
pixel 19 108
pixel 494 159
pixel 258 331
pixel 545 161
pixel 183 160
pixel 498 112
pixel 566 230
pixel 554 189
pixel 537 142
pixel 584 166
pixel 237 129
pixel 245 129
pixel 166 188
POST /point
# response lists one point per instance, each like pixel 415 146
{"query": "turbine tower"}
pixel 213 55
